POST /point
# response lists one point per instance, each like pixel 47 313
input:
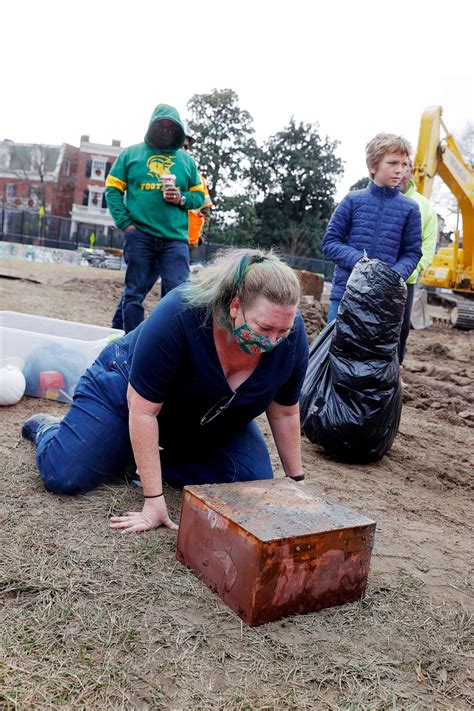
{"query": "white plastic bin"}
pixel 55 352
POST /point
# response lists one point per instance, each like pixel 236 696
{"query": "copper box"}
pixel 270 548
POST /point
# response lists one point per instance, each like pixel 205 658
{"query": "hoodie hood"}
pixel 165 111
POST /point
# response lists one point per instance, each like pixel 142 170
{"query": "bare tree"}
pixel 31 167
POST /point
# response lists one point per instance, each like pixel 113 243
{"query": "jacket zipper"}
pixel 374 238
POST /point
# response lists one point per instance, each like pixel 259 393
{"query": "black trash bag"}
pixel 351 400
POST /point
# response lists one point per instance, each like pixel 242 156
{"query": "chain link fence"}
pixel 29 227
pixel 318 266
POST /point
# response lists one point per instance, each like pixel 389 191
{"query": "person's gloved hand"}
pixel 153 515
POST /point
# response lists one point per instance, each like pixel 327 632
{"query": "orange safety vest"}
pixel 196 219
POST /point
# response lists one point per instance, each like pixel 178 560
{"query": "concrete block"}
pixel 271 549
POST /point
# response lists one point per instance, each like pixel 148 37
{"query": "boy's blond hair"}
pixel 382 144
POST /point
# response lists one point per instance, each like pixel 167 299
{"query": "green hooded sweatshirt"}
pixel 429 230
pixel 133 186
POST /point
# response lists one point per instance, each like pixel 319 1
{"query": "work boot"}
pixel 36 424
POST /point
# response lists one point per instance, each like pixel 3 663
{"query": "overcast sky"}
pixel 99 68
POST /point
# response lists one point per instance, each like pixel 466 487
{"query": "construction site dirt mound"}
pixel 314 314
pixel 438 349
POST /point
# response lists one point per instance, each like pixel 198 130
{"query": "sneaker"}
pixel 30 427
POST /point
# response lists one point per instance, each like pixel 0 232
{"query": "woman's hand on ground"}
pixel 153 515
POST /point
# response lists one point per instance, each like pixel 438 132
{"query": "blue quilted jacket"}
pixel 381 221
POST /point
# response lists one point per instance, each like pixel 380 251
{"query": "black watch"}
pixel 296 478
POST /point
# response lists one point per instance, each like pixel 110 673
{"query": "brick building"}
pixel 89 210
pixel 34 175
pixel 67 181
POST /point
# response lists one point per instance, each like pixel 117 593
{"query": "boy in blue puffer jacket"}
pixel 379 219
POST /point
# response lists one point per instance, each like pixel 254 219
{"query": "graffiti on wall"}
pixel 41 255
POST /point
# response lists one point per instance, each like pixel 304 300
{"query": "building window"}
pixel 67 167
pixel 4 160
pixel 10 190
pixel 95 199
pixel 98 169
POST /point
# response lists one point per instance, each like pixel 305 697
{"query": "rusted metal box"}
pixel 270 548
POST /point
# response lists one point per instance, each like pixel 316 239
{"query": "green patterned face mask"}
pixel 251 342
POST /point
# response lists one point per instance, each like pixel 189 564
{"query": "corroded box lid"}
pixel 274 509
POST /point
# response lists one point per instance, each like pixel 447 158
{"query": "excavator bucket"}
pixel 420 317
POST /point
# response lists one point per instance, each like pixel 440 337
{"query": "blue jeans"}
pixel 91 444
pixel 117 320
pixel 405 330
pixel 147 258
pixel 333 307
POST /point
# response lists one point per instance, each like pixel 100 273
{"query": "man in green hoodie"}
pixel 152 210
pixel 429 236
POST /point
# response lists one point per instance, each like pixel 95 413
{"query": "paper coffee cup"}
pixel 168 180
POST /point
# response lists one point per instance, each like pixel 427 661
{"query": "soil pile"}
pixel 314 316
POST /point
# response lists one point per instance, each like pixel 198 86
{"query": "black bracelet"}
pixel 296 478
pixel 156 496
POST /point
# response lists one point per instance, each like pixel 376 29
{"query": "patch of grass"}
pixel 147 552
pixel 114 622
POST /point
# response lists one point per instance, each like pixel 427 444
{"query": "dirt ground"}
pixel 95 620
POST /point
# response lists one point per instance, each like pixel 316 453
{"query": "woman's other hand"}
pixel 153 515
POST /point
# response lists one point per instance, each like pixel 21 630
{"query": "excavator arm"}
pixel 452 267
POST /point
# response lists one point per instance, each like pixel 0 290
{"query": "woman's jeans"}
pixel 91 444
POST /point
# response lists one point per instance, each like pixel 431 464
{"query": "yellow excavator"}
pixel 450 276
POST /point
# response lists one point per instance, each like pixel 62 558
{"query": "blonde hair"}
pixel 382 144
pixel 245 273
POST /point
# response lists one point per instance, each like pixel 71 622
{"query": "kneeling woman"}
pixel 180 393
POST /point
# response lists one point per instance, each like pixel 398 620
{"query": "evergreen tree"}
pixel 295 175
pixel 360 184
pixel 224 141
